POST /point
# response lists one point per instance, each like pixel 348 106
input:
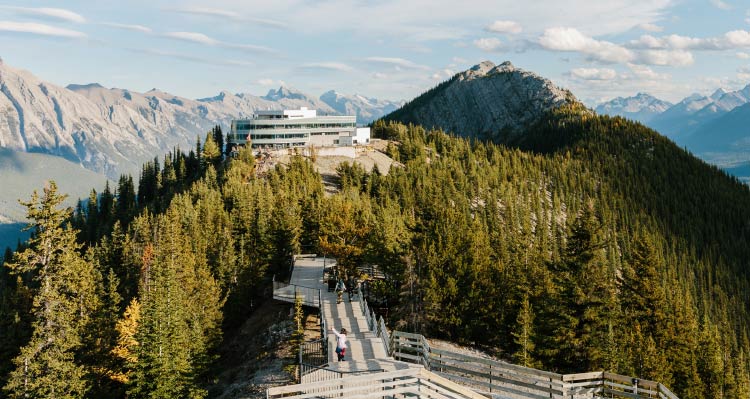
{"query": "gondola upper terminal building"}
pixel 296 128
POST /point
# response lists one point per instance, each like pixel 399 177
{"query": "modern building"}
pixel 296 128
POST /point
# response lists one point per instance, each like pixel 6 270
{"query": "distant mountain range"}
pixel 113 131
pixel 642 107
pixel 716 128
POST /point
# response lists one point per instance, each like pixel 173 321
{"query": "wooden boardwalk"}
pixel 365 350
pixel 421 371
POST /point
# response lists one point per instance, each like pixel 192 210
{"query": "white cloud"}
pixel 645 73
pixel 743 56
pixel 721 4
pixel 397 62
pixel 570 39
pixel 738 38
pixel 200 38
pixel 743 73
pixel 39 29
pixel 666 57
pixel 193 58
pixel 459 60
pixel 651 27
pixel 489 44
pixel 505 27
pixel 420 20
pixel 733 39
pixel 58 14
pixel 330 66
pixel 443 74
pixel 228 15
pixel 192 37
pixel 379 76
pixel 134 28
pixel 593 73
pixel 677 42
pixel 266 82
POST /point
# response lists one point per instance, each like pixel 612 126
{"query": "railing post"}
pixel 490 378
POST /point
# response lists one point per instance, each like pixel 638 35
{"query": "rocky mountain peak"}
pixel 486 100
pixel 285 92
pixel 718 94
pixel 87 86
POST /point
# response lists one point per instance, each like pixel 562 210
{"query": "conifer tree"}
pixel 524 335
pixel 125 207
pixel 63 295
pixel 211 154
pixel 218 136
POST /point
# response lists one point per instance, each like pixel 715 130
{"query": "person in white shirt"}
pixel 340 343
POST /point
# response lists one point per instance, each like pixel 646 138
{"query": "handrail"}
pixel 289 293
pixel 409 382
pixel 497 376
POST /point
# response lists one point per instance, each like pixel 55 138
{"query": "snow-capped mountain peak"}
pixel 641 107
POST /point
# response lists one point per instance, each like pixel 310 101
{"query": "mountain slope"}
pixel 484 101
pixel 642 107
pixel 21 173
pixel 113 131
pixel 366 109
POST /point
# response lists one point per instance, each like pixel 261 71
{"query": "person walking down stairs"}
pixel 340 343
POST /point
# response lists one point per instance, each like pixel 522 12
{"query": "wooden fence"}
pixel 512 381
pixel 412 382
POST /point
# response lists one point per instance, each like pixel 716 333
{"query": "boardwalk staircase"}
pixel 395 364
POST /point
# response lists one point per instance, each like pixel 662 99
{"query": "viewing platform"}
pixel 391 364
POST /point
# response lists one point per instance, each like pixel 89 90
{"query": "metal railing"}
pixel 493 376
pixel 412 382
pixel 289 293
pixel 376 325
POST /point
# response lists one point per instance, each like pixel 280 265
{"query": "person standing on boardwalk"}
pixel 340 343
pixel 340 288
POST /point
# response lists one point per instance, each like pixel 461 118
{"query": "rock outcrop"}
pixel 487 101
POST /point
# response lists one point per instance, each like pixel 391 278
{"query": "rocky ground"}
pixel 367 156
pixel 257 355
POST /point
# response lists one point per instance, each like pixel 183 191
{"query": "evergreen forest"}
pixel 588 243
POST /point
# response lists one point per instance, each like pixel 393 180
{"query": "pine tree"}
pixel 524 335
pixel 63 295
pixel 218 136
pixel 127 345
pixel 643 298
pixel 211 154
pixel 125 207
pixel 585 289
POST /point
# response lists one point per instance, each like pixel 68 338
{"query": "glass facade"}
pixel 268 131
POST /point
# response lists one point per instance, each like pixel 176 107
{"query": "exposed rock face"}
pixel 641 107
pixel 366 109
pixel 113 131
pixel 485 101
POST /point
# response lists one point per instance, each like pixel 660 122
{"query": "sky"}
pixel 387 49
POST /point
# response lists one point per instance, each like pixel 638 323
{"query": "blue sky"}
pixel 393 49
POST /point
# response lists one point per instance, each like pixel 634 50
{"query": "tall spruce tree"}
pixel 64 292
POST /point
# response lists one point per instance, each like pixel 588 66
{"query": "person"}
pixel 350 291
pixel 340 343
pixel 340 288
